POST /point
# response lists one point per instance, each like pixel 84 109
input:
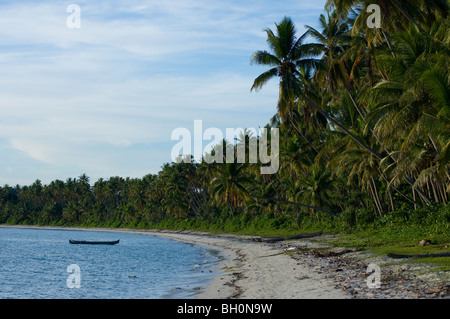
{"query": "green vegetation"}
pixel 364 121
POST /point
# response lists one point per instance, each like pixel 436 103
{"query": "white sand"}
pixel 254 270
pixel 250 270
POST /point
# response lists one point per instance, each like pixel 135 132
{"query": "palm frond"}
pixel 264 58
pixel 264 78
pixel 437 82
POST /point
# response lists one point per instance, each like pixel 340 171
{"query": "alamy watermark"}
pixel 257 148
pixel 374 19
pixel 374 279
pixel 74 19
pixel 74 279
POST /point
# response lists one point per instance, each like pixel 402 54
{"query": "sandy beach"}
pixel 252 270
pixel 282 270
pixel 262 271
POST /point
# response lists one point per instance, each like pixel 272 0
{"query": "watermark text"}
pixel 74 279
pixel 257 148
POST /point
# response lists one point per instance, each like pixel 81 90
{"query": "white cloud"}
pixel 105 98
pixel 32 149
pixel 115 116
pixel 157 28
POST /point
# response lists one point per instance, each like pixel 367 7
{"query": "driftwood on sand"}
pixel 444 254
pixel 288 237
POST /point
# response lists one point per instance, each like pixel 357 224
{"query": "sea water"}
pixel 42 264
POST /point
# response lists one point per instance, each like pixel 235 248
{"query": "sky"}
pixel 104 98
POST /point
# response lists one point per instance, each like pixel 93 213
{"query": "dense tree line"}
pixel 364 121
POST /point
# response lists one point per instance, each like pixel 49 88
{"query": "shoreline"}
pixel 248 270
pixel 298 269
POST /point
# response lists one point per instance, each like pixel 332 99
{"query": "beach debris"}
pixel 327 253
pixel 288 237
pixel 444 254
pixel 424 242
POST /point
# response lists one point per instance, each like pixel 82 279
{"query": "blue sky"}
pixel 103 99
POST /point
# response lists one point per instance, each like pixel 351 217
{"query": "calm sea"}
pixel 42 264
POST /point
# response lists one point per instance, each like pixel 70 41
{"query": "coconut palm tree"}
pixel 291 86
pixel 395 13
pixel 287 54
pixel 230 184
pixel 351 162
pixel 333 41
pixel 317 187
pixel 408 108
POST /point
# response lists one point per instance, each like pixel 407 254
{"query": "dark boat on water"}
pixel 85 242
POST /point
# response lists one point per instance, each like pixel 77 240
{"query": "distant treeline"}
pixel 203 196
pixel 364 121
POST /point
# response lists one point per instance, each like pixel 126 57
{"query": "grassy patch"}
pixel 402 240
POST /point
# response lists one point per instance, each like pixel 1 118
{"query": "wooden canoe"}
pixel 85 242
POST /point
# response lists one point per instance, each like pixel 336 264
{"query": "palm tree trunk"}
pixel 230 207
pixel 343 128
pixel 406 14
pixel 388 41
pixel 433 142
pixel 377 204
pixel 377 196
pixel 443 194
pixel 376 199
pixel 392 202
pixel 303 136
pixel 436 195
pixel 306 140
pixel 409 180
pixel 361 112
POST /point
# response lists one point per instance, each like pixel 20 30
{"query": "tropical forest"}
pixel 363 114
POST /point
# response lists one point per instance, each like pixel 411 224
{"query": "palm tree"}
pixel 229 183
pixel 395 13
pixel 287 54
pixel 317 187
pixel 287 57
pixel 407 109
pixel 333 41
pixel 176 183
pixel 83 186
pixel 350 161
pixel 328 40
